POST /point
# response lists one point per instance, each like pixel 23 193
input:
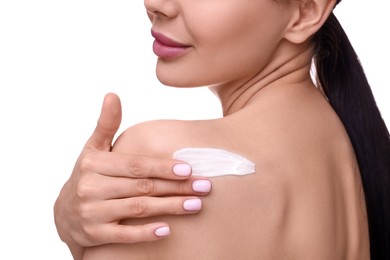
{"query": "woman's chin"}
pixel 176 81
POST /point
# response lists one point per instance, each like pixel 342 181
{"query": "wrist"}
pixel 76 250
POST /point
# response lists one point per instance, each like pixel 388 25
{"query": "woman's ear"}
pixel 309 16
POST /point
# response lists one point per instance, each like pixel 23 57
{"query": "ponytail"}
pixel 341 77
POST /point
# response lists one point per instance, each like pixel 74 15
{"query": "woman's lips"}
pixel 167 48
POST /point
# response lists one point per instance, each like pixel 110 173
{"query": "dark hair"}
pixel 342 79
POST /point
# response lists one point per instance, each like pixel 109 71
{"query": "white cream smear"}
pixel 212 162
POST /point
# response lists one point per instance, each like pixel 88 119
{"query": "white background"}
pixel 59 58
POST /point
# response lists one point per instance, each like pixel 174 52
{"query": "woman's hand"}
pixel 106 187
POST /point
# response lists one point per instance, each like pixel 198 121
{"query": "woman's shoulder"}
pixel 163 137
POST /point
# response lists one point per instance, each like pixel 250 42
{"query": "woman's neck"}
pixel 290 65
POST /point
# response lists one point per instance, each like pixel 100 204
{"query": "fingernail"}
pixel 201 186
pixel 182 170
pixel 192 204
pixel 162 231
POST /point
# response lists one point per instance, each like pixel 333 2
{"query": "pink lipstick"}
pixel 167 48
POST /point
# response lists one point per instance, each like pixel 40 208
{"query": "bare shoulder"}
pixel 303 202
pixel 161 137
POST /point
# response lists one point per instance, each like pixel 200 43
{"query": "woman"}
pixel 320 148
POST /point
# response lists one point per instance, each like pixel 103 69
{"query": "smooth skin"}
pixel 305 200
pixel 105 187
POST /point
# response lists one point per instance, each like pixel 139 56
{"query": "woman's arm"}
pixel 106 187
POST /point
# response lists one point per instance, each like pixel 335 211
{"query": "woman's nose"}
pixel 163 8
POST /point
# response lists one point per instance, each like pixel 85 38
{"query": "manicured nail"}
pixel 192 204
pixel 182 170
pixel 162 231
pixel 201 186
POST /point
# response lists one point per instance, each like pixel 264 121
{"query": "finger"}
pixel 124 234
pixel 105 188
pixel 134 166
pixel 108 123
pixel 142 207
pixel 126 188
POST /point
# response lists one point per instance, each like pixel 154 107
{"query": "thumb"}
pixel 108 123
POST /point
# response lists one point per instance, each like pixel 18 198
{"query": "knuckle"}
pixel 145 186
pixel 136 166
pixel 138 207
pixel 91 233
pixel 83 190
pixel 84 212
pixel 86 162
pixel 182 187
pixel 90 230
